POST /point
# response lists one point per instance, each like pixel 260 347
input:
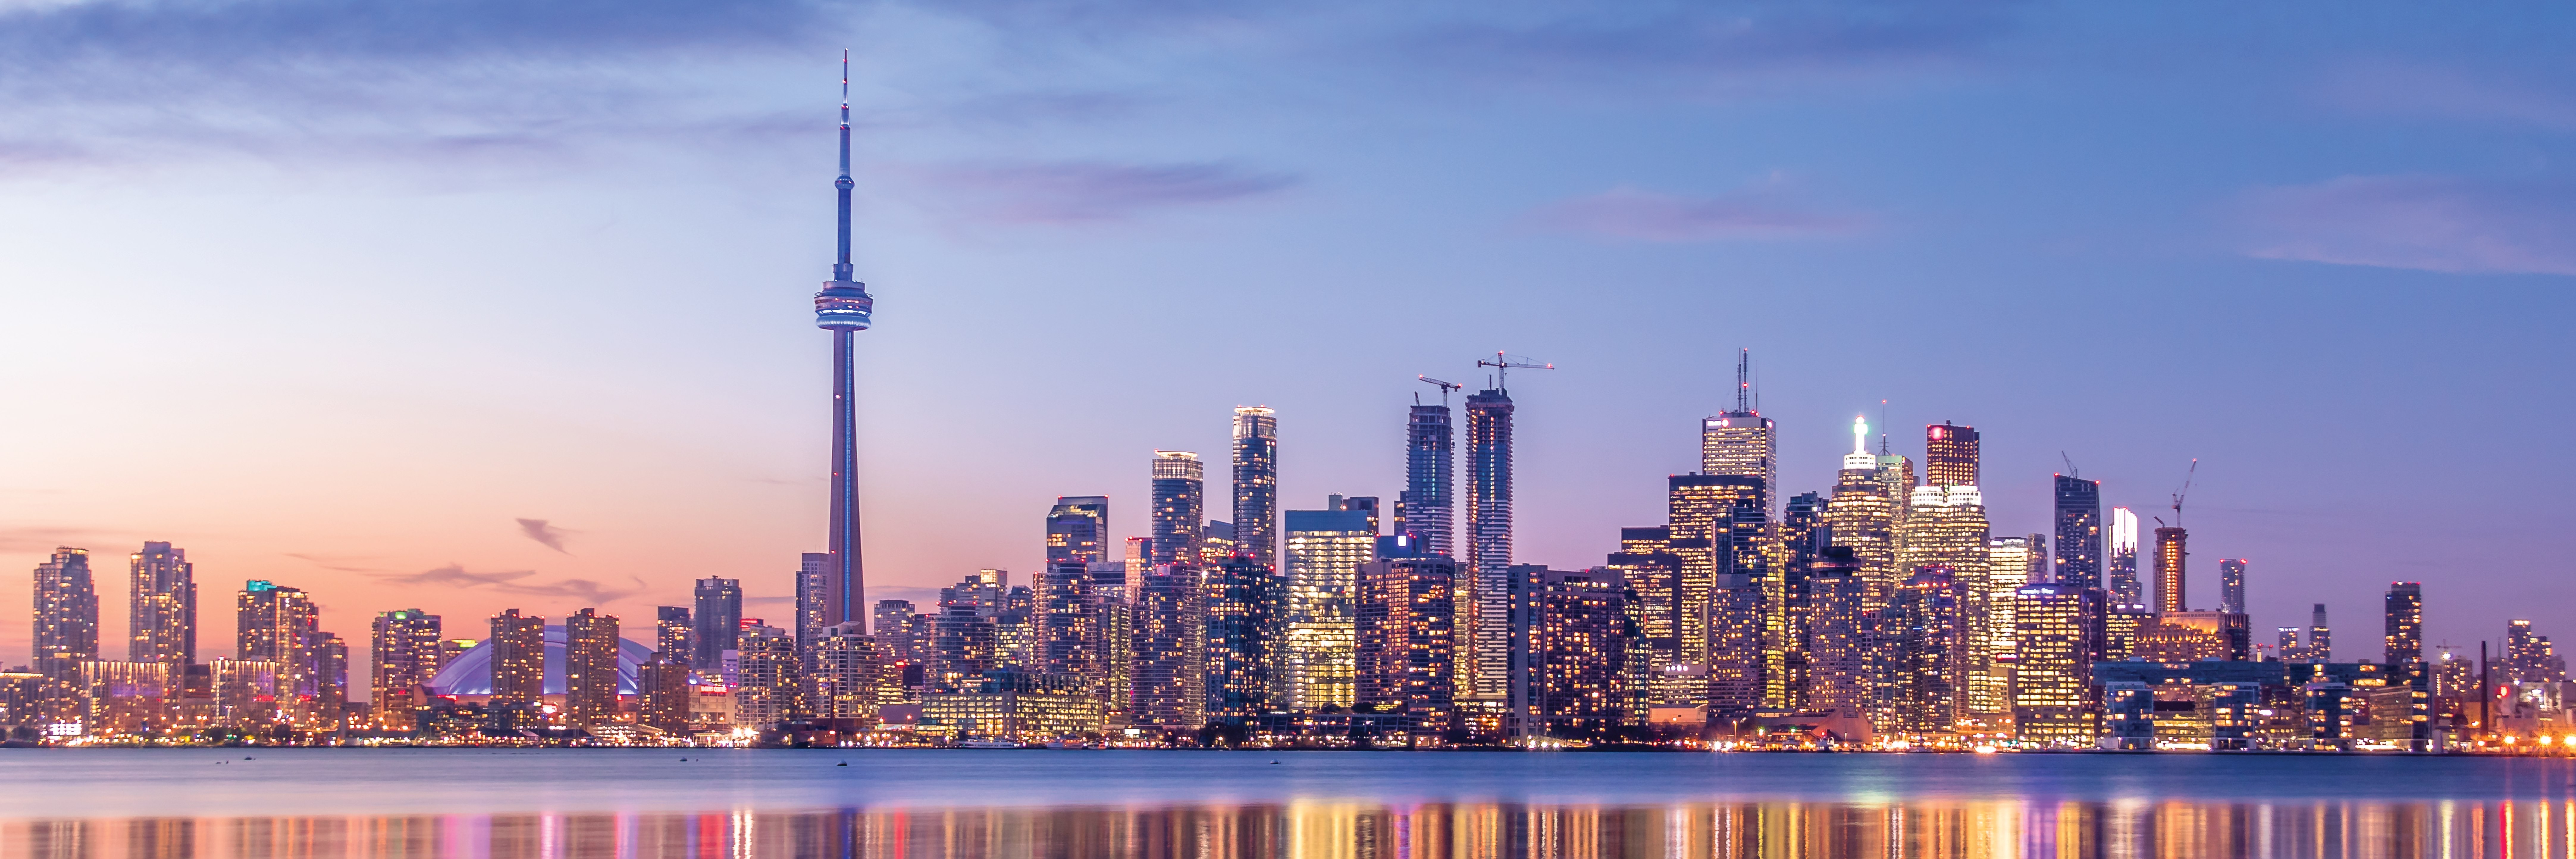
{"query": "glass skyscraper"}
pixel 1489 544
pixel 1077 530
pixel 1426 509
pixel 2120 567
pixel 2078 563
pixel 1325 551
pixel 66 631
pixel 1950 455
pixel 2172 557
pixel 719 621
pixel 1180 506
pixel 163 598
pixel 1256 482
pixel 2231 585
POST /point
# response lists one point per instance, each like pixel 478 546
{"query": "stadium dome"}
pixel 471 673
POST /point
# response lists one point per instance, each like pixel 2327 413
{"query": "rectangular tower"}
pixel 66 630
pixel 2120 564
pixel 1425 509
pixel 164 603
pixel 1326 549
pixel 1180 505
pixel 2079 533
pixel 813 598
pixel 1741 442
pixel 1407 638
pixel 1243 603
pixel 1077 530
pixel 1169 689
pixel 590 668
pixel 673 633
pixel 518 659
pixel 1488 540
pixel 2405 624
pixel 718 619
pixel 403 647
pixel 1256 483
pixel 2231 585
pixel 1950 455
pixel 2171 558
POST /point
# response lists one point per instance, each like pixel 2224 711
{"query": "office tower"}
pixel 1216 543
pixel 403 645
pixel 1180 504
pixel 1256 482
pixel 845 309
pixel 1168 691
pixel 1791 551
pixel 674 633
pixel 1572 658
pixel 1325 551
pixel 845 679
pixel 2170 559
pixel 2320 636
pixel 2531 658
pixel 718 621
pixel 896 638
pixel 1425 509
pixel 813 596
pixel 590 668
pixel 1488 538
pixel 1407 630
pixel 1243 602
pixel 2120 568
pixel 2056 634
pixel 1069 622
pixel 66 623
pixel 2079 533
pixel 1741 442
pixel 2120 629
pixel 1114 631
pixel 164 601
pixel 1950 455
pixel 518 659
pixel 1734 671
pixel 1926 635
pixel 2405 624
pixel 2011 564
pixel 1839 636
pixel 770 679
pixel 1077 530
pixel 1727 512
pixel 324 694
pixel 1946 528
pixel 1861 515
pixel 1661 668
pixel 2231 585
pixel 965 638
pixel 663 685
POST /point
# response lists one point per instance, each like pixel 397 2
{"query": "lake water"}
pixel 797 803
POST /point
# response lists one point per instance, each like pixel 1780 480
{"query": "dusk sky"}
pixel 473 304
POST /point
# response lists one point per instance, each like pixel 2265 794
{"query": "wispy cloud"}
pixel 1075 192
pixel 1765 211
pixel 2394 89
pixel 547 535
pixel 337 563
pixel 515 582
pixel 1705 47
pixel 37 538
pixel 2431 223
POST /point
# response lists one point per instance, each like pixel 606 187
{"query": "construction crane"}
pixel 2185 490
pixel 1503 364
pixel 1445 388
pixel 2070 464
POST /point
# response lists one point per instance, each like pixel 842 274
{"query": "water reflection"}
pixel 1327 830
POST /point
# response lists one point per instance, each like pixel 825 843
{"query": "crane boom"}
pixel 2187 477
pixel 1503 364
pixel 1445 388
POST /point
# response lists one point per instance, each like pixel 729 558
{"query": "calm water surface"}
pixel 795 803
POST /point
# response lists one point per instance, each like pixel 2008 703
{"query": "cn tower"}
pixel 842 308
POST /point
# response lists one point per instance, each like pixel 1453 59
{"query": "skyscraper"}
pixel 518 659
pixel 2120 572
pixel 1741 442
pixel 1256 482
pixel 2170 560
pixel 1077 530
pixel 1667 647
pixel 2231 585
pixel 1169 690
pixel 844 678
pixel 1243 602
pixel 1950 455
pixel 590 668
pixel 718 620
pixel 771 677
pixel 1839 635
pixel 1862 516
pixel 2531 658
pixel 1325 551
pixel 1426 509
pixel 813 597
pixel 673 633
pixel 1925 628
pixel 1572 661
pixel 1180 504
pixel 1945 527
pixel 164 601
pixel 2320 636
pixel 1489 544
pixel 845 309
pixel 403 646
pixel 66 628
pixel 2405 624
pixel 2057 633
pixel 272 622
pixel 1407 634
pixel 2011 564
pixel 2079 533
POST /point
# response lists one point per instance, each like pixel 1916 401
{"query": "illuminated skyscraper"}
pixel 2171 557
pixel 2079 533
pixel 66 629
pixel 1926 636
pixel 403 645
pixel 673 633
pixel 1071 616
pixel 1839 637
pixel 771 679
pixel 1734 670
pixel 272 622
pixel 845 309
pixel 1662 667
pixel 1950 455
pixel 164 601
pixel 1573 661
pixel 844 679
pixel 1406 624
pixel 1325 551
pixel 2231 585
pixel 2405 624
pixel 1180 505
pixel 1741 442
pixel 2120 571
pixel 590 668
pixel 1077 530
pixel 2057 634
pixel 1946 528
pixel 718 619
pixel 2531 658
pixel 1256 483
pixel 1243 628
pixel 663 684
pixel 1862 516
pixel 813 597
pixel 1169 691
pixel 518 660
pixel 2320 636
pixel 2011 564
pixel 1489 545
pixel 1425 508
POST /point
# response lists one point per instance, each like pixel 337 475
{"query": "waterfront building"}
pixel 1734 667
pixel 664 692
pixel 1325 551
pixel 1014 705
pixel 1243 630
pixel 1741 442
pixel 403 647
pixel 2121 625
pixel 2405 624
pixel 127 697
pixel 898 635
pixel 163 599
pixel 1571 659
pixel 66 620
pixel 769 687
pixel 1425 508
pixel 1406 622
pixel 966 639
pixel 1662 669
pixel 1839 635
pixel 1718 526
pixel 2188 636
pixel 518 661
pixel 1861 516
pixel 1071 619
pixel 1485 603
pixel 323 698
pixel 2011 564
pixel 1256 483
pixel 1114 631
pixel 1926 637
pixel 1946 529
pixel 2078 559
pixel 2120 565
pixel 717 620
pixel 590 668
pixel 1790 552
pixel 271 621
pixel 1179 492
pixel 2231 585
pixel 2531 658
pixel 844 308
pixel 2320 636
pixel 1169 689
pixel 2171 557
pixel 673 633
pixel 845 675
pixel 2056 636
pixel 1077 530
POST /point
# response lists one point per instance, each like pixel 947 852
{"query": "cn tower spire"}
pixel 845 309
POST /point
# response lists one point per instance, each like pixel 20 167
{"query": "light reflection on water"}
pixel 1330 830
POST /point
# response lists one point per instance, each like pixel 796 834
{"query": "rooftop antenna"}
pixel 1445 388
pixel 1504 363
pixel 1882 427
pixel 1743 386
pixel 2185 490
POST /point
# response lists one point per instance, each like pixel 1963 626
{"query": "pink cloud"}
pixel 1763 212
pixel 1071 192
pixel 2430 223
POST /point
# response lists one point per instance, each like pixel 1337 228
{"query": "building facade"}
pixel 1256 483
pixel 1179 491
pixel 1325 551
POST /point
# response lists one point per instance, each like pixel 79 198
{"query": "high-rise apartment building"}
pixel 2120 564
pixel 1667 646
pixel 1325 551
pixel 1571 662
pixel 2405 624
pixel 1486 604
pixel 844 678
pixel 403 647
pixel 1426 509
pixel 718 621
pixel 1169 689
pixel 1071 618
pixel 1256 483
pixel 2057 634
pixel 518 659
pixel 1950 455
pixel 1839 636
pixel 1077 530
pixel 2171 559
pixel 1243 628
pixel 674 633
pixel 272 621
pixel 2078 561
pixel 898 639
pixel 1861 516
pixel 1926 636
pixel 1734 670
pixel 2320 636
pixel 663 684
pixel 164 602
pixel 1406 624
pixel 1180 505
pixel 2531 658
pixel 770 678
pixel 590 668
pixel 813 597
pixel 2231 585
pixel 66 622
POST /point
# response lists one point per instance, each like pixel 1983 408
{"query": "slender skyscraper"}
pixel 1180 504
pixel 1426 508
pixel 2405 623
pixel 843 308
pixel 2120 574
pixel 1256 482
pixel 2320 636
pixel 719 621
pixel 590 667
pixel 1742 443
pixel 404 645
pixel 2171 556
pixel 1862 517
pixel 2079 534
pixel 66 632
pixel 1489 544
pixel 164 601
pixel 2231 585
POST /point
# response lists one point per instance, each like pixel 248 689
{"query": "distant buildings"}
pixel 404 651
pixel 590 668
pixel 1325 551
pixel 163 595
pixel 1179 490
pixel 718 621
pixel 1256 482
